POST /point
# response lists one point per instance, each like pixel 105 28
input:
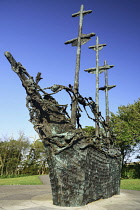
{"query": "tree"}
pixel 89 130
pixel 35 162
pixel 126 126
pixel 12 154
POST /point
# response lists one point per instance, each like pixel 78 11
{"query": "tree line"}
pixel 126 126
pixel 21 156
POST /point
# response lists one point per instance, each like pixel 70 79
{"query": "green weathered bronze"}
pixel 82 168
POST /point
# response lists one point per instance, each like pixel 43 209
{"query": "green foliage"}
pixel 36 159
pixel 125 125
pixel 12 152
pixel 131 171
pixel 22 157
pixel 28 180
pixel 89 130
pixel 130 184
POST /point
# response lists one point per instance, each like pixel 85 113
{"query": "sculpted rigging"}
pixel 82 168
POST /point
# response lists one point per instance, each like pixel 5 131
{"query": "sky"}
pixel 34 31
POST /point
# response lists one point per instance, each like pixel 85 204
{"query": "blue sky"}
pixel 34 31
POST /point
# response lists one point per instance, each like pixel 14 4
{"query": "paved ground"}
pixel 38 197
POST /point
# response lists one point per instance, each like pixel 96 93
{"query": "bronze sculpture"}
pixel 82 168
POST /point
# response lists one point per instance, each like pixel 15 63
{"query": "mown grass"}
pixel 28 180
pixel 130 184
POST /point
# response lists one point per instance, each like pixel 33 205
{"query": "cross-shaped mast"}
pixel 106 88
pixel 97 70
pixel 80 40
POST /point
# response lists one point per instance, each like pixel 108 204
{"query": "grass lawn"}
pixel 130 184
pixel 27 180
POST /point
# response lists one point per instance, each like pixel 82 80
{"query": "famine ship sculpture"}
pixel 82 168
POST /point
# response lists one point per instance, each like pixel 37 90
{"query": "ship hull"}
pixel 80 176
pixel 83 168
